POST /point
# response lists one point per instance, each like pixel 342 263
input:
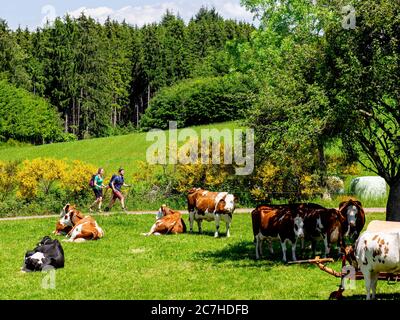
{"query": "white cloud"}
pixel 140 15
pixel 235 10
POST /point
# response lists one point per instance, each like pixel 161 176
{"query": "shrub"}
pixel 8 180
pixel 26 117
pixel 200 101
pixel 77 177
pixel 273 182
pixel 39 175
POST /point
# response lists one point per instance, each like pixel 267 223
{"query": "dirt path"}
pixel 242 210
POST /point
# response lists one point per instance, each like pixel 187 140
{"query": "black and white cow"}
pixel 47 254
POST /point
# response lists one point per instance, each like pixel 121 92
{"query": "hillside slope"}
pixel 110 152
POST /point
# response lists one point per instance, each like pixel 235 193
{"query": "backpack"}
pixel 111 180
pixel 91 182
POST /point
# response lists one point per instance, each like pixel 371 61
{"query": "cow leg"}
pixel 367 278
pixel 228 221
pixel 294 250
pixel 199 225
pixel 283 245
pixel 271 249
pixel 217 220
pixel 258 245
pixel 374 282
pixel 152 230
pixel 327 249
pixel 314 246
pixel 191 220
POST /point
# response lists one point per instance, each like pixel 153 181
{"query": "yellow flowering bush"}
pixel 39 175
pixel 8 180
pixel 199 174
pixel 77 177
pixel 270 181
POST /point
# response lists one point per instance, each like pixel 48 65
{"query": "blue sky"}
pixel 33 13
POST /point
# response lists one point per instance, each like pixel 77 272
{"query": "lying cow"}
pixel 48 254
pixel 277 222
pixel 168 221
pixel 355 215
pixel 82 228
pixel 376 250
pixel 209 206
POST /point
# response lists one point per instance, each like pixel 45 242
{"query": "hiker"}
pixel 117 181
pixel 98 186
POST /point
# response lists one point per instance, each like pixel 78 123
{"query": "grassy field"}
pixel 126 151
pixel 110 152
pixel 126 265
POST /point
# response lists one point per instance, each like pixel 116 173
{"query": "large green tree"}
pixel 365 88
pixel 321 79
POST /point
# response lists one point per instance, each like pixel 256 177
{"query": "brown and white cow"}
pixel 168 221
pixel 282 222
pixel 355 216
pixel 209 206
pixel 82 228
pixel 326 224
pixel 376 250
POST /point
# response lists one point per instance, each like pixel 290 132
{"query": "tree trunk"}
pixel 323 171
pixel 73 116
pixel 137 115
pixel 393 204
pixel 148 95
pixel 66 123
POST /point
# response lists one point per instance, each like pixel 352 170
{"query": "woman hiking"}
pixel 98 187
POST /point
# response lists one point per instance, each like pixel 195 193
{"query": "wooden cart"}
pixel 320 263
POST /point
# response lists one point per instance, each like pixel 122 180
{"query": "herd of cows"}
pixel 372 252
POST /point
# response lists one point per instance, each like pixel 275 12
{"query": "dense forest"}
pixel 101 77
pixel 310 76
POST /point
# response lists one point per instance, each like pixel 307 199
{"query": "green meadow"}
pixel 127 265
pixel 109 152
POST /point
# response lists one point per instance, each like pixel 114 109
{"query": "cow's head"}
pixel 298 227
pixel 350 209
pixel 65 210
pixel 193 190
pixel 34 261
pixel 69 216
pixel 163 211
pixel 229 203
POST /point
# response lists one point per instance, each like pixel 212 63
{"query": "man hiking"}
pixel 115 184
pixel 97 186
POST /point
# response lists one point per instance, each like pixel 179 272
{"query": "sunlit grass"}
pixel 126 265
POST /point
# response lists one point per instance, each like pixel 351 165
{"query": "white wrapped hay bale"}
pixel 368 187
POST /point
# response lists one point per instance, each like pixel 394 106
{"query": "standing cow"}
pixel 376 250
pixel 277 222
pixel 209 206
pixel 326 224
